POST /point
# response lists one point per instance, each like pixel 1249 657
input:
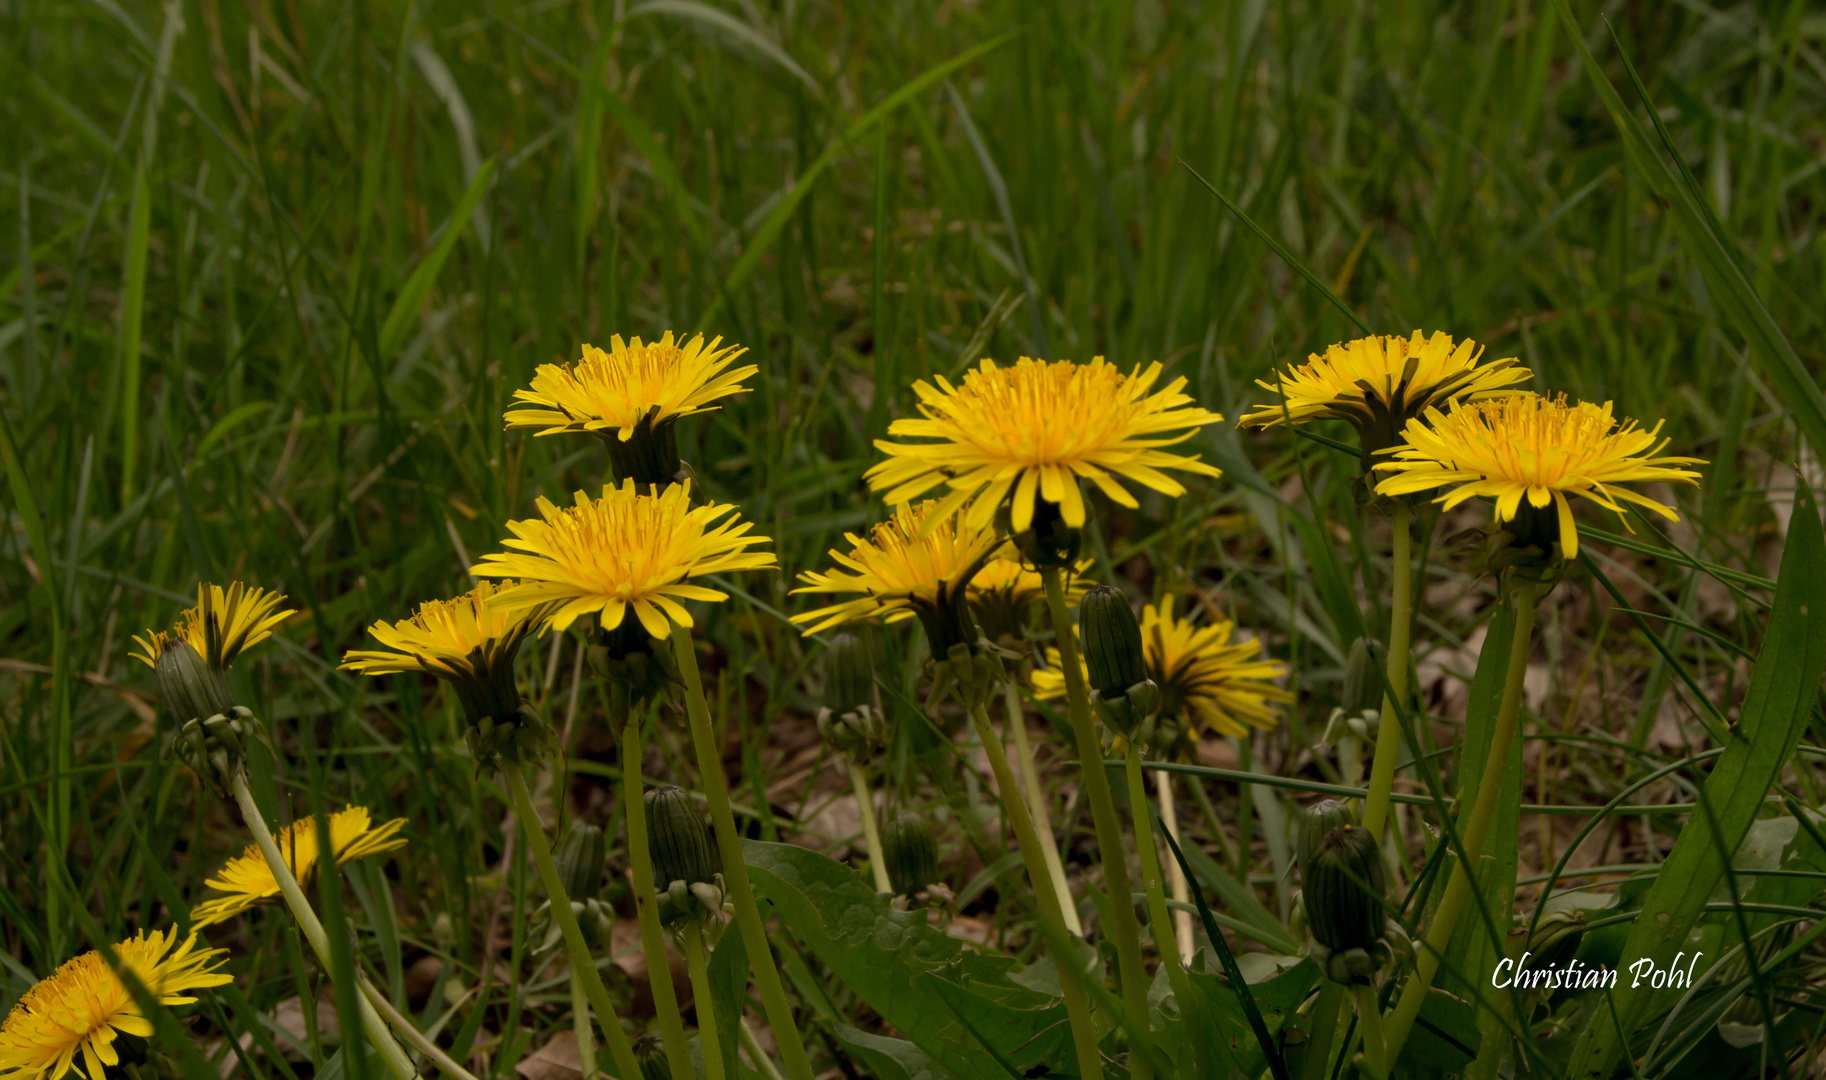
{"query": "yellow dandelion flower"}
pixel 1004 591
pixel 1203 675
pixel 626 550
pixel 248 880
pixel 86 1006
pixel 1032 431
pixel 1379 383
pixel 466 642
pixel 1530 452
pixel 634 381
pixel 920 562
pixel 224 624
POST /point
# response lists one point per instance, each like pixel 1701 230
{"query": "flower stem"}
pixel 646 900
pixel 1038 809
pixel 1474 832
pixel 1176 878
pixel 735 869
pixel 575 948
pixel 376 1029
pixel 1324 1030
pixel 871 833
pixel 1124 927
pixel 1159 921
pixel 1077 1007
pixel 707 1039
pixel 1369 1018
pixel 1401 630
pixel 755 1053
pixel 580 1023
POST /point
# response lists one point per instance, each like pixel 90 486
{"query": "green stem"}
pixel 1114 853
pixel 376 1029
pixel 1038 809
pixel 735 868
pixel 1159 921
pixel 580 1022
pixel 755 1054
pixel 871 832
pixel 1077 1006
pixel 1324 1030
pixel 407 1030
pixel 707 1039
pixel 646 899
pixel 1401 627
pixel 576 950
pixel 1369 1018
pixel 1473 833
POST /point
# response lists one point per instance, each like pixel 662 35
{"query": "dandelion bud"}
pixel 849 673
pixel 579 858
pixel 190 688
pixel 1344 886
pixel 911 853
pixel 650 1055
pixel 679 838
pixel 1316 823
pixel 1115 659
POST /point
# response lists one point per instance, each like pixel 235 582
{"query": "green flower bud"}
pixel 650 1055
pixel 911 853
pixel 188 687
pixel 1116 660
pixel 649 456
pixel 1344 888
pixel 1316 823
pixel 1362 678
pixel 850 721
pixel 579 859
pixel 679 839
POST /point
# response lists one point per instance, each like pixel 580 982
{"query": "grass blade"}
pixel 404 313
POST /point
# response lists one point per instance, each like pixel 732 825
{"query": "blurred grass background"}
pixel 275 267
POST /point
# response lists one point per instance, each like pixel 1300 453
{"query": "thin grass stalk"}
pixel 372 1025
pixel 1401 627
pixel 701 996
pixel 1077 1006
pixel 1111 847
pixel 1369 1019
pixel 871 832
pixel 1159 920
pixel 1177 887
pixel 580 1023
pixel 1489 789
pixel 1038 809
pixel 735 868
pixel 646 899
pixel 577 951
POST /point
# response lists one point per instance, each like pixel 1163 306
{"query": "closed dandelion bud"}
pixel 1344 890
pixel 911 853
pixel 1316 823
pixel 188 687
pixel 1115 659
pixel 849 721
pixel 679 839
pixel 650 1055
pixel 579 858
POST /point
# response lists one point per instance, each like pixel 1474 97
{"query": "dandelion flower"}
pixel 918 563
pixel 1530 452
pixel 224 624
pixel 1032 431
pixel 86 1006
pixel 614 391
pixel 465 642
pixel 248 879
pixel 1202 674
pixel 625 551
pixel 1379 383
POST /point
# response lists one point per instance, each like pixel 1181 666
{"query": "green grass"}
pixel 275 269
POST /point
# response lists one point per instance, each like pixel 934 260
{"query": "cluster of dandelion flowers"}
pixel 1030 432
pixel 247 879
pixel 468 642
pixel 1204 676
pixel 919 563
pixel 1529 453
pixel 626 552
pixel 85 1006
pixel 1379 383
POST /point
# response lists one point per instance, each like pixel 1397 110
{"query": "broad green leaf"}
pixel 1276 996
pixel 404 313
pixel 894 961
pixel 889 1059
pixel 1780 700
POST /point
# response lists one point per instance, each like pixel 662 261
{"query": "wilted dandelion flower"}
pixel 248 879
pixel 1203 676
pixel 1379 383
pixel 85 1006
pixel 1032 431
pixel 1529 452
pixel 624 551
pixel 224 624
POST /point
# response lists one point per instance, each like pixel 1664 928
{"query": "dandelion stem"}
pixel 580 1023
pixel 1114 853
pixel 1401 627
pixel 871 832
pixel 1176 878
pixel 376 1029
pixel 1077 1006
pixel 1038 809
pixel 575 948
pixel 1369 1017
pixel 707 1039
pixel 646 899
pixel 1159 921
pixel 1473 832
pixel 735 869
pixel 755 1054
pixel 409 1031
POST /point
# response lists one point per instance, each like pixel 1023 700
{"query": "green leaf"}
pixel 895 962
pixel 728 974
pixel 658 160
pixel 1276 997
pixel 1775 712
pixel 889 1059
pixel 404 313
